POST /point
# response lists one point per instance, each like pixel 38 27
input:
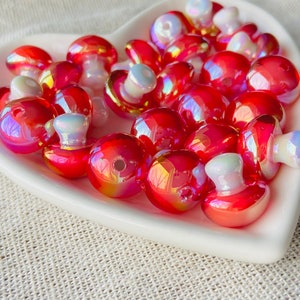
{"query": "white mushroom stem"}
pixel 200 12
pixel 140 80
pixel 241 43
pixel 225 170
pixel 24 86
pixel 71 129
pixel 227 20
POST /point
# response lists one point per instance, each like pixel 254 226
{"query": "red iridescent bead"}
pixel 267 44
pixel 72 99
pixel 69 157
pixel 201 103
pixel 92 47
pixel 176 181
pixel 211 140
pixel 168 27
pixel 128 93
pixel 227 72
pixel 264 147
pixel 250 105
pixel 141 52
pixel 118 164
pixel 277 75
pixel 57 76
pixel 172 81
pixel 191 48
pixel 159 129
pixel 22 124
pixel 28 60
pixel 234 202
pixel 255 146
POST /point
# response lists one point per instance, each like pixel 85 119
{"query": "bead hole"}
pixel 119 165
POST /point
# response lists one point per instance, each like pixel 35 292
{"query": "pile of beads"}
pixel 206 95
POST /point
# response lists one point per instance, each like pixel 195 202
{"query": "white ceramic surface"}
pixel 264 241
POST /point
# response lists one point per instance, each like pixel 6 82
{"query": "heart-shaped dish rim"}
pixel 264 241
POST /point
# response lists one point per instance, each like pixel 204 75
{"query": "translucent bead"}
pixel 275 74
pixel 118 165
pixel 159 129
pixel 22 124
pixel 176 181
pixel 28 60
pixel 211 140
pixel 227 72
pixel 173 80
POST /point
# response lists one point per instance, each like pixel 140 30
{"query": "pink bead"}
pixel 275 74
pixel 176 181
pixel 250 105
pixel 118 165
pixel 226 71
pixel 72 99
pixel 172 81
pixel 22 124
pixel 211 140
pixel 57 76
pixel 200 104
pixel 234 202
pixel 89 46
pixel 159 129
pixel 28 60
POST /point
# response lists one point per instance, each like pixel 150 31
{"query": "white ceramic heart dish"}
pixel 264 241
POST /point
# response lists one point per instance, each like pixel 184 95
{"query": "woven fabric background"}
pixel 46 253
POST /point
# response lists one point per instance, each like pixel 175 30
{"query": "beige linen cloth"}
pixel 46 253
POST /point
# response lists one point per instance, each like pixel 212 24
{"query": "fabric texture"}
pixel 47 253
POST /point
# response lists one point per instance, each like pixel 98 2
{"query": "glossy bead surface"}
pixel 267 44
pixel 128 96
pixel 211 140
pixel 57 76
pixel 234 203
pixel 22 124
pixel 186 48
pixel 255 146
pixel 159 129
pixel 89 46
pixel 202 103
pixel 275 74
pixel 226 71
pixel 141 52
pixel 4 96
pixel 28 60
pixel 172 81
pixel 72 99
pixel 176 181
pixel 118 165
pixel 250 105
